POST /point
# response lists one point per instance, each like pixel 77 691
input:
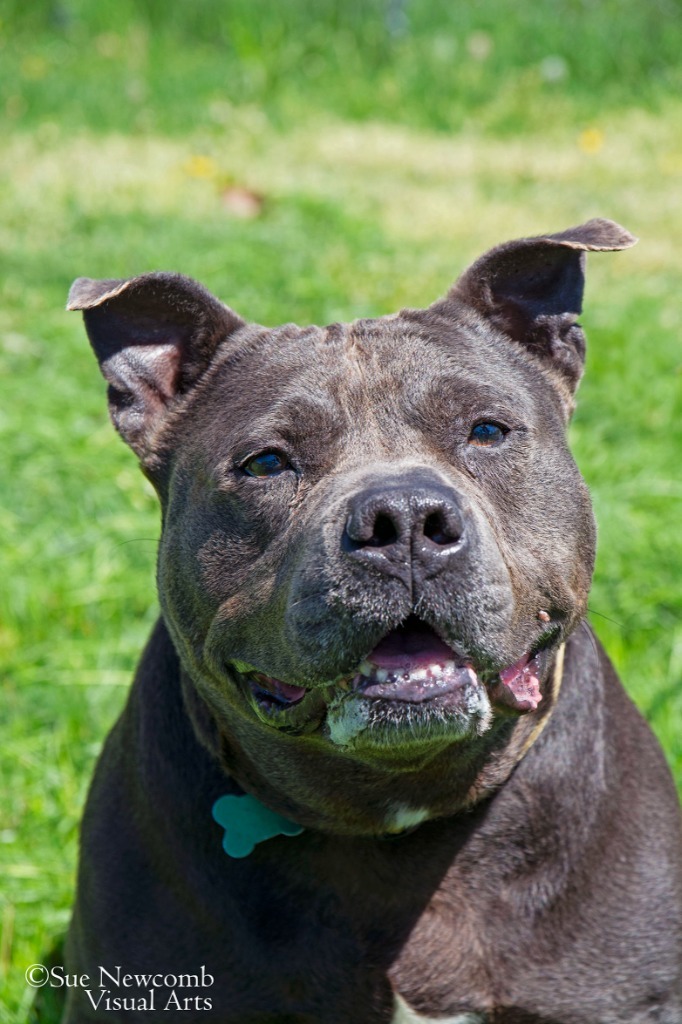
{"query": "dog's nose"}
pixel 404 528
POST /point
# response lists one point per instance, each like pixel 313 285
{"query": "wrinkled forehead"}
pixel 372 375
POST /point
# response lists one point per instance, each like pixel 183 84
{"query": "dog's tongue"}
pixel 519 686
pixel 412 664
pixel 408 650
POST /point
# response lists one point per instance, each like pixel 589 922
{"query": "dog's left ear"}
pixel 532 290
pixel 154 337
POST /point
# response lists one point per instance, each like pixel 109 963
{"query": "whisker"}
pixel 601 615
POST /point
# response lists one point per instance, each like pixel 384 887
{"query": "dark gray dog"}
pixel 373 672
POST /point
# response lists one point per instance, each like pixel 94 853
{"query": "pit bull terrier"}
pixel 375 767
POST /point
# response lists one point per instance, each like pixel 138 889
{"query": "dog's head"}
pixel 374 536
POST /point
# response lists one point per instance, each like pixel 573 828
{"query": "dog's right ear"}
pixel 154 336
pixel 531 290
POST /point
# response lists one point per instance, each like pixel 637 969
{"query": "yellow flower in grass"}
pixel 591 140
pixel 201 167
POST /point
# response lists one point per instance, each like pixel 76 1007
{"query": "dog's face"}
pixel 375 538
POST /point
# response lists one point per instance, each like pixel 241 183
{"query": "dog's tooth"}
pixel 471 675
pixel 382 675
pixel 366 668
pixel 449 667
pixel 420 675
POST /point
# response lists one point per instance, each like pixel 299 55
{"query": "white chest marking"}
pixel 404 817
pixel 404 1014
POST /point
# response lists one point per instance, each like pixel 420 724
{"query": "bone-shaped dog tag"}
pixel 248 822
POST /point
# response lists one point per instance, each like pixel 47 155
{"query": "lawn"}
pixel 306 168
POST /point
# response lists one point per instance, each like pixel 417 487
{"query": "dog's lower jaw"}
pixel 355 721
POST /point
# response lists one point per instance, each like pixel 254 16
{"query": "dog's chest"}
pixel 413 956
pixel 334 929
pixel 443 968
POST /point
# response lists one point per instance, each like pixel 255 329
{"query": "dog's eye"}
pixel 266 464
pixel 487 434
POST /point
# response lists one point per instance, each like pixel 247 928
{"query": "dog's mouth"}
pixel 413 666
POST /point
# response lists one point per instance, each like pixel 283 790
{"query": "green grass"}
pixel 387 160
pixel 429 63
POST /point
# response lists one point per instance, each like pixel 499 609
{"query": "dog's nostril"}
pixel 384 532
pixel 436 529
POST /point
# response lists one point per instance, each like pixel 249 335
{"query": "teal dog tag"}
pixel 247 822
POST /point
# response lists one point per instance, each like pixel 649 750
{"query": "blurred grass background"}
pixel 308 161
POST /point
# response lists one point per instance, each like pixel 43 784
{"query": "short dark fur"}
pixel 541 891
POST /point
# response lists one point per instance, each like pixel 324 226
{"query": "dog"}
pixel 374 767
